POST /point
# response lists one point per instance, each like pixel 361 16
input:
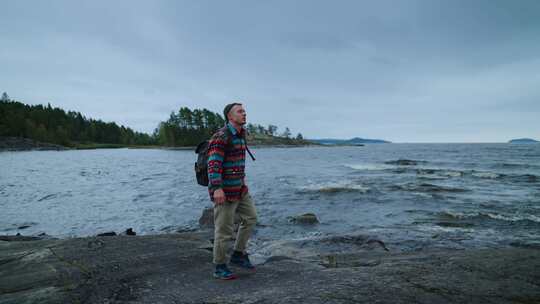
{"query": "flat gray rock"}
pixel 177 268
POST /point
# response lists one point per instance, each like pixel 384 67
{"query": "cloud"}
pixel 406 71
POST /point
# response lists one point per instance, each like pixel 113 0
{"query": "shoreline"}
pixel 187 148
pixel 20 144
pixel 177 268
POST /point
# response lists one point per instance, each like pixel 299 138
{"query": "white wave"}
pixel 436 228
pixel 489 175
pixel 369 167
pixel 502 217
pixel 331 187
pixel 514 218
pixel 423 195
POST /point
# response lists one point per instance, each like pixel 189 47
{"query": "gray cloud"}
pixel 403 71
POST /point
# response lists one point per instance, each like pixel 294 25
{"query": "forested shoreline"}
pixel 186 127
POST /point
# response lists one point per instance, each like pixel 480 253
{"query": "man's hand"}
pixel 219 196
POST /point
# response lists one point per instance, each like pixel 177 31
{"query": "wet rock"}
pixel 347 261
pixel 172 268
pixel 112 233
pixel 207 218
pixel 25 144
pixel 329 261
pixel 18 237
pixel 168 228
pixel 95 244
pixel 277 258
pixel 526 245
pixel 185 229
pixel 305 219
pixel 427 188
pixel 377 243
pixel 209 246
pixel 326 245
pixel 357 241
pixel 130 231
pixel 404 162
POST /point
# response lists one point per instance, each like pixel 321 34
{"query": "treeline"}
pixel 183 128
pixel 189 127
pixel 54 125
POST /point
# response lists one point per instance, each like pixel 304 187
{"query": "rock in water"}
pixel 305 219
pixel 130 231
pixel 403 162
pixel 207 218
pixel 112 233
pixel 18 237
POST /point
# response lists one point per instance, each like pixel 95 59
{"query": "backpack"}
pixel 201 165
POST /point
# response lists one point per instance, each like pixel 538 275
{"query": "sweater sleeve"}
pixel 216 154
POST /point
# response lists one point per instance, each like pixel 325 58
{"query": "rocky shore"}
pixel 176 268
pixel 26 144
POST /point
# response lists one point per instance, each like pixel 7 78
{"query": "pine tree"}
pixel 5 97
pixel 272 130
pixel 286 133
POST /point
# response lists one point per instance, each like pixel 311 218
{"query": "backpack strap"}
pixel 229 141
pixel 247 149
pixel 229 134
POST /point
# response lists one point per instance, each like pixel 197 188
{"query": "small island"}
pixel 523 141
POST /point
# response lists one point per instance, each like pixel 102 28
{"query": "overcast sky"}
pixel 404 71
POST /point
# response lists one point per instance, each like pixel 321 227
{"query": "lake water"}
pixel 457 195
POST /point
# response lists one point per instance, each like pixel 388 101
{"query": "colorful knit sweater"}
pixel 226 163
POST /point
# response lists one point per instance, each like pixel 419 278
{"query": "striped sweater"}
pixel 226 163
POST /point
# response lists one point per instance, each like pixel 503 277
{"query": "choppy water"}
pixel 457 195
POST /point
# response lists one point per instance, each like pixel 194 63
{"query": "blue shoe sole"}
pixel 231 277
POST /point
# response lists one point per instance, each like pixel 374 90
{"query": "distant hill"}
pixel 523 141
pixel 349 142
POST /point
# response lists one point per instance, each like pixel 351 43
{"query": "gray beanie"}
pixel 228 108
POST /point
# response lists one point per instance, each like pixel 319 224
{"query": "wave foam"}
pixel 334 187
pixel 488 175
pixel 495 216
pixel 514 218
pixel 369 167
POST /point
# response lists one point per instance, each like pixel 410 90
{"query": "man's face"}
pixel 237 115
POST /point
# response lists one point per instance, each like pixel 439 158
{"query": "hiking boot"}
pixel 242 260
pixel 223 273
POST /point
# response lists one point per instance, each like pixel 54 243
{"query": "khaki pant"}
pixel 224 226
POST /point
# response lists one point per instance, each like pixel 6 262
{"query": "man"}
pixel 228 191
